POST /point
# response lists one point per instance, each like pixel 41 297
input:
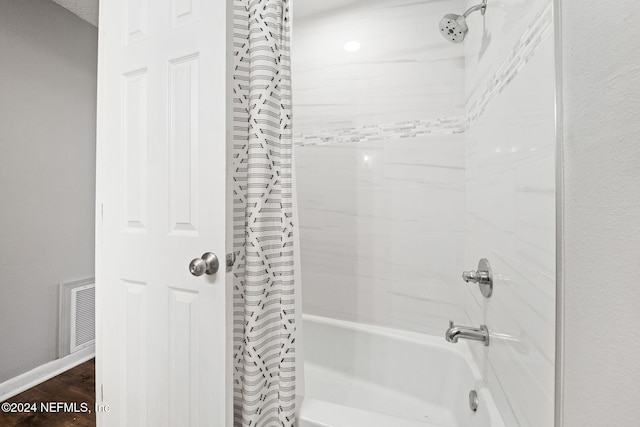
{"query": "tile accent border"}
pixel 521 53
pixel 378 132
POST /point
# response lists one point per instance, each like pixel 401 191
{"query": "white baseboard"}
pixel 38 375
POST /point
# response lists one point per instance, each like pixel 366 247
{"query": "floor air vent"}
pixel 77 316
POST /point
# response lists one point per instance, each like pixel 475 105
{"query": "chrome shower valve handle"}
pixel 476 276
pixel 483 277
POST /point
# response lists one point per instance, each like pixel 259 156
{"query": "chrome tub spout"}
pixel 456 332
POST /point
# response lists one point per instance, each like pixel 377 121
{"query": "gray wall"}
pixel 601 96
pixel 47 172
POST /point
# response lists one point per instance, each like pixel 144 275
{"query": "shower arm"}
pixel 482 7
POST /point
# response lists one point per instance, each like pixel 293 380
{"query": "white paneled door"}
pixel 163 335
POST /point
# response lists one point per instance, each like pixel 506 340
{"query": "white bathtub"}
pixel 366 376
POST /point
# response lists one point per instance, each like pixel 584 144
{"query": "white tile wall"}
pixel 391 214
pixel 381 230
pixel 493 37
pixel 510 208
pixel 404 70
pixel 380 164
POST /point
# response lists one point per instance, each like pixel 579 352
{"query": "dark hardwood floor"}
pixel 74 386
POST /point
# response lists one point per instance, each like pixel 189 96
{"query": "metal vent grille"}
pixel 84 302
pixel 77 325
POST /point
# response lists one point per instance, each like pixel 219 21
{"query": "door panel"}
pixel 163 336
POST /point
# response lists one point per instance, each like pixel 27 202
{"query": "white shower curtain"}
pixel 264 318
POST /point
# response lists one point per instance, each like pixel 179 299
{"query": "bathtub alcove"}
pixel 414 158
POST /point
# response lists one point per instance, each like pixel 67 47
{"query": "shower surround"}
pixel 416 157
pixel 510 202
pixel 380 164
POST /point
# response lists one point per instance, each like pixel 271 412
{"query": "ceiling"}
pixel 88 9
pixel 85 9
pixel 307 8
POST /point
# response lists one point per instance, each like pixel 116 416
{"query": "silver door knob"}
pixel 483 277
pixel 208 263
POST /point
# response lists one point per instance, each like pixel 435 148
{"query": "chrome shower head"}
pixel 454 27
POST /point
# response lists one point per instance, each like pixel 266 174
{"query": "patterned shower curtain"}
pixel 264 322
